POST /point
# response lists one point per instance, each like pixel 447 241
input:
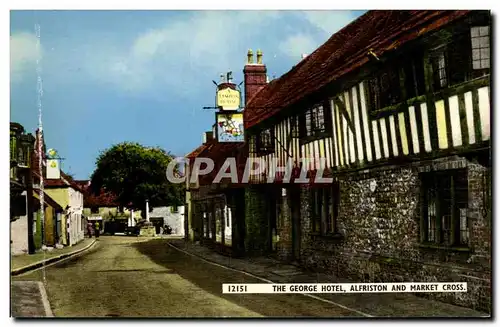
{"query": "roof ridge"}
pixel 343 52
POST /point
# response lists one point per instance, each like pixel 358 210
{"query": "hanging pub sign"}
pixel 53 169
pixel 229 127
pixel 228 99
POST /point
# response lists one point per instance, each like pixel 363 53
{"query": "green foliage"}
pixel 135 173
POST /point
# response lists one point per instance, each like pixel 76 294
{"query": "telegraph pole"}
pixel 30 203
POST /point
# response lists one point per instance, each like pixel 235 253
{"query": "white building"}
pixel 172 216
pixel 76 224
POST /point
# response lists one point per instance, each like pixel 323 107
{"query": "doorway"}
pixel 157 223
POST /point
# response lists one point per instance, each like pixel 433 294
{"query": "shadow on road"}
pixel 210 278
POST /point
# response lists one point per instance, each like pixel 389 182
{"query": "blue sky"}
pixel 144 76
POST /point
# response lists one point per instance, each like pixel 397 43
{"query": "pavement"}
pixel 29 300
pixel 369 304
pixel 139 277
pixel 25 262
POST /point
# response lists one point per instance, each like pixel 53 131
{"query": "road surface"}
pixel 134 277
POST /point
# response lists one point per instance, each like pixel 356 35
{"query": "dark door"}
pixel 187 224
pixel 294 199
pixel 157 223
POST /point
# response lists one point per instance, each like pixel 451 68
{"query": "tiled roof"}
pixel 64 181
pixel 82 183
pixel 379 30
pixel 197 151
pixel 219 152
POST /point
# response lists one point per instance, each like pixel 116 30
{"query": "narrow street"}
pixel 133 277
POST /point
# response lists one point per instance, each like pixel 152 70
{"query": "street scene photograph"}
pixel 251 164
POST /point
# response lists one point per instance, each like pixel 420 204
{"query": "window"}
pixel 20 157
pixel 316 209
pixel 13 148
pixel 480 37
pixel 219 222
pixel 266 141
pixel 439 69
pixel 252 144
pixel 315 122
pixel 94 210
pixel 208 209
pixel 205 224
pixel 445 201
pixel 385 89
pixel 414 76
pixel 464 56
pixel 294 127
pixel 324 209
pixel 318 119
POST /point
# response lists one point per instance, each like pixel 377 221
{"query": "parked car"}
pixel 132 230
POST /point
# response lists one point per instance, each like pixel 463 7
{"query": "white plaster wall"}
pixel 77 232
pixel 173 219
pixel 19 235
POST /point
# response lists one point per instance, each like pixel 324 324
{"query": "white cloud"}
pixel 23 54
pixel 329 21
pixel 296 45
pixel 207 42
pixel 180 55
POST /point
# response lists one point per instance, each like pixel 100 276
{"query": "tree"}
pixel 134 174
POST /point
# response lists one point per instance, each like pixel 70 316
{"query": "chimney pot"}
pixel 259 57
pixel 250 57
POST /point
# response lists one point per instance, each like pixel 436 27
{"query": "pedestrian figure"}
pixel 97 231
pixel 89 229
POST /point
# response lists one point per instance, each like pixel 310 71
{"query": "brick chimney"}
pixel 255 75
